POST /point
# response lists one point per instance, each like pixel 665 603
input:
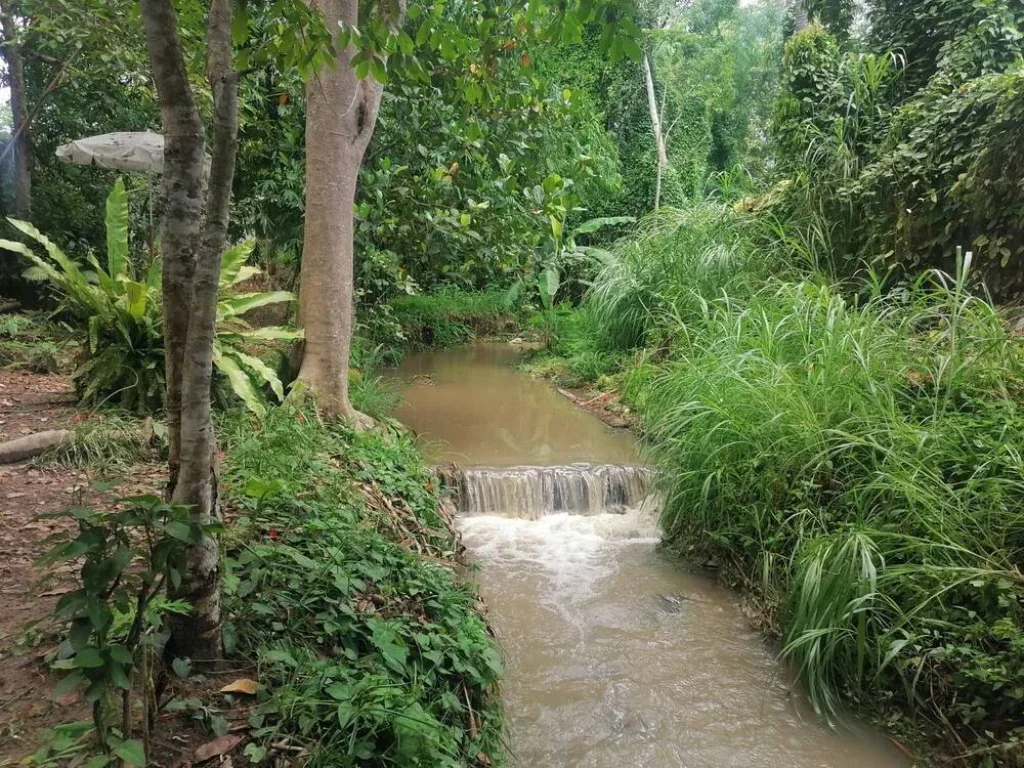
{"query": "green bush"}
pixel 858 464
pixel 451 317
pixel 369 652
pixel 120 315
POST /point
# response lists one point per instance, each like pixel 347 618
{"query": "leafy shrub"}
pixel 131 556
pixel 367 651
pixel 29 343
pixel 912 152
pixel 122 351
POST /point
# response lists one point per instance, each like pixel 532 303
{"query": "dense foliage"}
pixel 911 152
pixel 836 423
pixel 368 651
pixel 805 329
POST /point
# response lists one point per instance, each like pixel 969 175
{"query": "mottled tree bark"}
pixel 341 112
pixel 21 136
pixel 191 270
pixel 659 136
pixel 800 16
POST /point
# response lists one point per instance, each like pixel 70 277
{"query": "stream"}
pixel 615 655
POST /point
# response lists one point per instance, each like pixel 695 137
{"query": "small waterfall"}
pixel 533 492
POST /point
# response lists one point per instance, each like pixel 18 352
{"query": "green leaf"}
pixel 117 231
pixel 233 306
pixel 68 684
pixel 119 676
pixel 593 225
pixel 241 383
pixel 240 25
pixel 136 295
pixel 265 371
pixel 88 658
pixel 131 752
pixel 182 531
pixel 270 333
pixel 392 649
pixel 549 284
pixel 182 667
pixel 233 260
pixel 379 70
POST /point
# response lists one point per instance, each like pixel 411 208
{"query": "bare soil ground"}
pixel 607 406
pixel 31 403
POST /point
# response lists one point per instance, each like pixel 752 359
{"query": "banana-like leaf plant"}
pixel 120 311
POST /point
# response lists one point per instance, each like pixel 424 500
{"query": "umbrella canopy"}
pixel 125 151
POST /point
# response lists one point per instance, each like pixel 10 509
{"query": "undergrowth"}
pixel 449 317
pixel 340 584
pixel 29 342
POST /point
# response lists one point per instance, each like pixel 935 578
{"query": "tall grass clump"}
pixel 858 463
pixel 678 259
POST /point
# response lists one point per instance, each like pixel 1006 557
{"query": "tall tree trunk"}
pixel 21 137
pixel 800 16
pixel 191 269
pixel 659 138
pixel 341 113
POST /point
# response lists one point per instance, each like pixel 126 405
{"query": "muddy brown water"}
pixel 615 656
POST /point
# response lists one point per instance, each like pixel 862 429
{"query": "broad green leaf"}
pixel 71 269
pixel 549 284
pixel 271 333
pixel 154 274
pixel 241 383
pixel 246 273
pixel 233 306
pixel 233 260
pixel 36 274
pixel 593 225
pixel 131 752
pixel 88 658
pixel 136 295
pixel 265 371
pixel 49 272
pixel 117 231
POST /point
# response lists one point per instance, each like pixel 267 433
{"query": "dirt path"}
pixel 31 403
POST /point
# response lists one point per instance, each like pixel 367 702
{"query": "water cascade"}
pixel 533 492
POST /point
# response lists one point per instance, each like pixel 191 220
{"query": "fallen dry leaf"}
pixel 243 685
pixel 219 746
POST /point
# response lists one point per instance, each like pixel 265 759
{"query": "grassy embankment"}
pixel 850 456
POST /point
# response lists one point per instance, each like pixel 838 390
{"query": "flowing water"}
pixel 616 657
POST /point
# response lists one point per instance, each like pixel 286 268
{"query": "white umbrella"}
pixel 124 151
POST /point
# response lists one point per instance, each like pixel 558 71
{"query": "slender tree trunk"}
pixel 659 138
pixel 21 137
pixel 341 113
pixel 191 264
pixel 800 17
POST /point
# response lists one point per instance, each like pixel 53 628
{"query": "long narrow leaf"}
pixel 233 306
pixel 241 383
pixel 117 231
pixel 232 261
pixel 265 371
